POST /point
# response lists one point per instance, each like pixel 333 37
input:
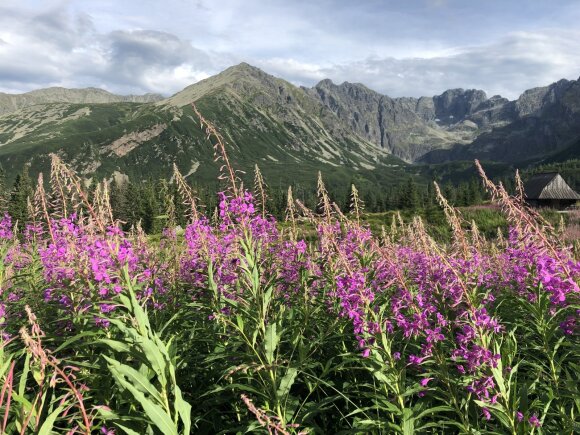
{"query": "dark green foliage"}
pixel 119 201
pixel 410 196
pixel 148 203
pixel 21 191
pixel 4 193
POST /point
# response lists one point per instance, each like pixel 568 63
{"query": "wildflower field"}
pixel 235 325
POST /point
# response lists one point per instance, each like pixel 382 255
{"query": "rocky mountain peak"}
pixel 358 89
pixel 456 104
pixel 325 83
pixel 244 69
pixel 333 95
pixel 242 79
pixel 533 101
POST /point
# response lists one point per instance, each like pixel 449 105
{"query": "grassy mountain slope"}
pixel 347 131
pixel 263 119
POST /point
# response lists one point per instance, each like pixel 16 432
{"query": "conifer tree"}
pixel 410 198
pixel 431 198
pixel 134 202
pixel 21 190
pixel 179 205
pixel 3 193
pixel 476 192
pixel 150 209
pixel 118 199
pixel 450 193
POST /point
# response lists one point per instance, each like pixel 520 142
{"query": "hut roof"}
pixel 549 185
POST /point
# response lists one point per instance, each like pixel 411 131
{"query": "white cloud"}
pixel 293 70
pixel 509 66
pixel 401 48
pixel 61 48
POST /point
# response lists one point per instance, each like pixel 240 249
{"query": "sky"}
pixel 399 48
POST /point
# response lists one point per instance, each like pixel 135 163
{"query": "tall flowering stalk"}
pixel 262 326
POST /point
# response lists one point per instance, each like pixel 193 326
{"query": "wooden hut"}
pixel 549 189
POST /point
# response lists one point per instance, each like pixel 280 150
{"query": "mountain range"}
pixel 347 130
pixel 13 102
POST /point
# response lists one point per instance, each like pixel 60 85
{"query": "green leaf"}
pixel 271 342
pixel 497 411
pixel 381 377
pixel 136 309
pixel 267 296
pixel 26 407
pixel 46 428
pixel 134 377
pixel 127 430
pixel 81 336
pixel 155 413
pixel 234 387
pixel 4 367
pixel 24 376
pixel 184 410
pixel 388 406
pixel 240 322
pixel 408 425
pixel 286 383
pixel 435 410
pixel 116 345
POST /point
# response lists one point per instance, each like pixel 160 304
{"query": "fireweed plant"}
pixel 236 324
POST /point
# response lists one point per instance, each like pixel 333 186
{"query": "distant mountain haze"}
pixel 12 102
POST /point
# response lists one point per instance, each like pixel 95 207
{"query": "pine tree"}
pixel 3 193
pixel 476 193
pixel 133 199
pixel 21 190
pixel 450 193
pixel 370 200
pixel 462 195
pixel 410 198
pixel 431 198
pixel 151 209
pixel 118 199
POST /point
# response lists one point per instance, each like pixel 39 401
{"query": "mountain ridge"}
pixel 268 120
pixel 263 119
pixel 56 94
pixel 542 121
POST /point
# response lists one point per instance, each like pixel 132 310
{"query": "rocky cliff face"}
pixel 459 124
pixel 12 102
pixel 405 127
pixel 540 122
pixel 457 104
pixel 535 101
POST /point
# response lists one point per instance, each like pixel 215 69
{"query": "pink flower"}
pixel 415 360
pixel 486 413
pixel 534 421
pixel 6 227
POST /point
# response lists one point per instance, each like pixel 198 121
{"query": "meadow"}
pixel 236 324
